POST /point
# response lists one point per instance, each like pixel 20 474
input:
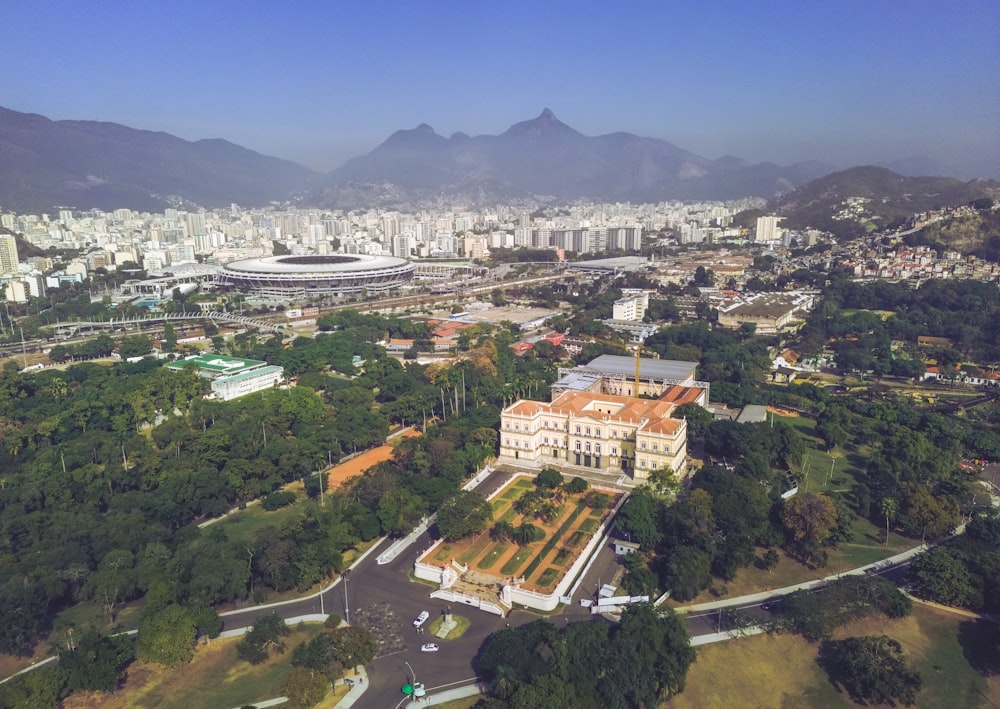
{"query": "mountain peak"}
pixel 545 126
pixel 421 136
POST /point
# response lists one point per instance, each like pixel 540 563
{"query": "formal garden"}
pixel 532 529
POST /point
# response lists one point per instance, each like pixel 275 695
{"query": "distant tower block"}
pixel 768 229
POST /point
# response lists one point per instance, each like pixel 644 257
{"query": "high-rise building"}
pixel 402 245
pixel 8 254
pixel 195 223
pixel 767 229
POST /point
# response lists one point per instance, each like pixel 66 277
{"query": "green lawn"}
pixel 781 670
pixel 514 563
pixel 825 472
pixel 490 558
pixel 242 525
pixel 215 678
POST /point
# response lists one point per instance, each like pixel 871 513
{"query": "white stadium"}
pixel 335 274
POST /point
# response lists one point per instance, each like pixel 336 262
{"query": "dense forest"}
pixel 106 467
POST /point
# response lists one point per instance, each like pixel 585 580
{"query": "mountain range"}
pixel 87 164
pixel 546 159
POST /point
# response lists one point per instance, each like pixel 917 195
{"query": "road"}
pixel 370 584
pixel 391 586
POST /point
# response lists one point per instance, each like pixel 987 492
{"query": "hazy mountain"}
pixel 884 196
pixel 84 164
pixel 545 158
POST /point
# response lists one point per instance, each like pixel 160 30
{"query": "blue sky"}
pixel 846 82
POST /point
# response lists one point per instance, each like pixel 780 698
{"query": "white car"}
pixel 429 647
pixel 421 619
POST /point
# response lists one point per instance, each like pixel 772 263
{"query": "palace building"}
pixel 606 432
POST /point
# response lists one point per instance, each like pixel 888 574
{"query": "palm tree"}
pixel 889 509
pixel 58 388
pixel 504 684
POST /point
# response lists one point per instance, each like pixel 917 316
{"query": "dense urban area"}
pixel 591 449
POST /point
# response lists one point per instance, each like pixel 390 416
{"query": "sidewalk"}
pixel 765 595
pixel 952 609
pixel 358 683
pixel 449 695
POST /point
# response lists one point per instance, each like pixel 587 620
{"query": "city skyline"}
pixel 319 83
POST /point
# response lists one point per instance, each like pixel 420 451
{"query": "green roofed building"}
pixel 232 377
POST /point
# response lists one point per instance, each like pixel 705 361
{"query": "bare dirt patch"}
pixel 339 474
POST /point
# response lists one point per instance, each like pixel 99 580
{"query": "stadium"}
pixel 335 274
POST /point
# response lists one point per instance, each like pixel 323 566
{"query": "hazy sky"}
pixel 846 82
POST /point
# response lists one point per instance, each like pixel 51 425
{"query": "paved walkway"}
pixel 358 684
pixel 765 595
pixel 953 609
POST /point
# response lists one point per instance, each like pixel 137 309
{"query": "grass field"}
pixel 215 678
pixel 494 554
pixel 242 525
pixel 781 672
pixel 514 563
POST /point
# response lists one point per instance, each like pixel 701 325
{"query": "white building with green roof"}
pixel 232 377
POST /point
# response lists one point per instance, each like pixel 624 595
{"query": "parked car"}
pixel 429 647
pixel 421 619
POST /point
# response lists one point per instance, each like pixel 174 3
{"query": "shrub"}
pixel 277 500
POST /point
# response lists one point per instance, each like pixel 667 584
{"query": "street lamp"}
pixel 347 608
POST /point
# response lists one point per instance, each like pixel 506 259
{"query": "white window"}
pixel 588 430
pixel 644 445
pixel 588 447
pixel 578 429
pixel 597 448
pixel 656 447
pixel 614 433
pixel 578 445
pixel 546 440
